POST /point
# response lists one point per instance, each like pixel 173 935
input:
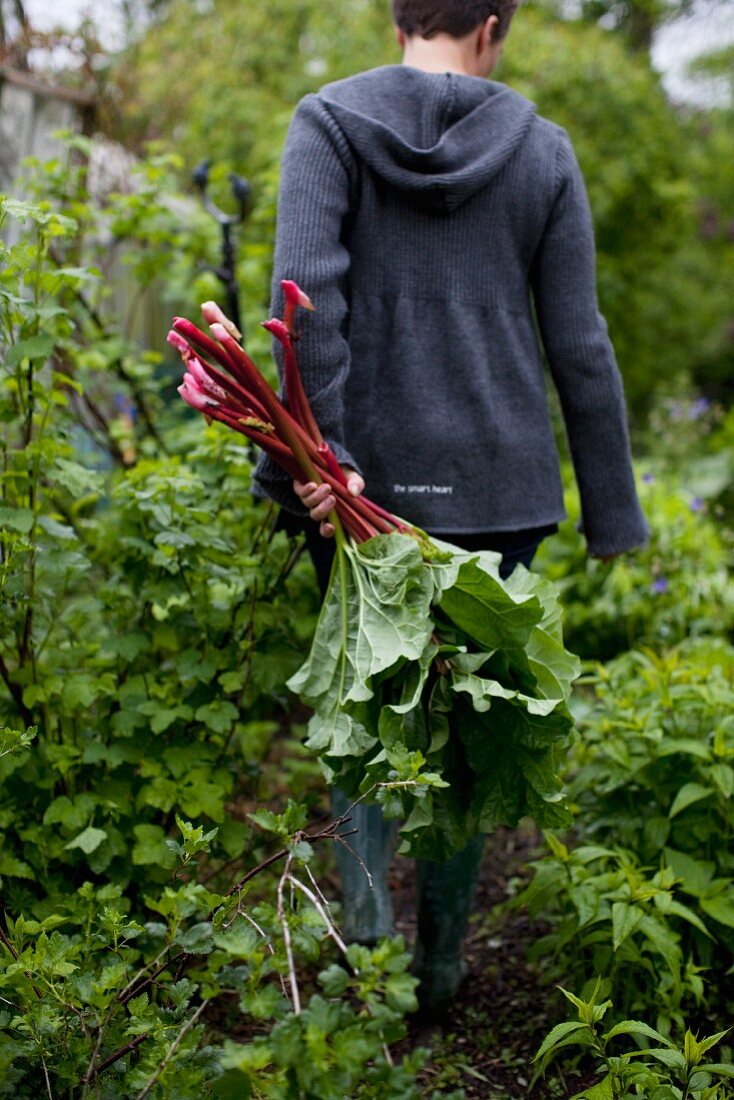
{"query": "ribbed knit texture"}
pixel 425 213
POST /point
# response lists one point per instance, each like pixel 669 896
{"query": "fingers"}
pixel 355 484
pixel 319 499
pixel 326 530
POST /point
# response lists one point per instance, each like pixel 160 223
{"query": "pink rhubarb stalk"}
pixel 294 391
pixel 235 393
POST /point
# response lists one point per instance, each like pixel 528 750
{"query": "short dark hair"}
pixel 455 17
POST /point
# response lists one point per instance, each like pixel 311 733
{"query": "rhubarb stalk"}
pixel 224 384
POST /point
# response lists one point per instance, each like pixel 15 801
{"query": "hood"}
pixel 436 137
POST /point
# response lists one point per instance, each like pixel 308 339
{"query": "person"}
pixel 442 229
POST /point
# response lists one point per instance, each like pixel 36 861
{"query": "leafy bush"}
pixel 609 915
pixel 680 585
pixel 653 773
pixel 659 1072
pixel 646 898
pixel 99 1003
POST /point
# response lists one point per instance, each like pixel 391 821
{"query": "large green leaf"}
pixel 436 670
pixel 376 613
pixel 481 606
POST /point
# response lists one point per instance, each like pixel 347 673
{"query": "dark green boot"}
pixel 367 913
pixel 445 898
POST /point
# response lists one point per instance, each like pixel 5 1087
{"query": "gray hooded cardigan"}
pixel 430 216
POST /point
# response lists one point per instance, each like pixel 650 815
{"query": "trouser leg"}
pixel 367 913
pixel 445 897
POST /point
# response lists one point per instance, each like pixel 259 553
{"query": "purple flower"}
pixel 648 479
pixel 660 585
pixel 699 408
pixel 697 504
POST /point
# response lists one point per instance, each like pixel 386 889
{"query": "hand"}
pixel 320 500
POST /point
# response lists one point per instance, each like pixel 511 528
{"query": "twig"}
pixel 141 973
pixel 287 943
pixel 330 928
pixel 16 693
pixel 173 1048
pixel 356 856
pixel 130 993
pixel 8 944
pixel 45 1074
pixel 127 1049
pixel 14 953
pixel 329 833
pixel 256 871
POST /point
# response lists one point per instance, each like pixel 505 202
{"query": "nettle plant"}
pixel 657 1070
pixel 654 773
pixel 645 896
pixel 610 915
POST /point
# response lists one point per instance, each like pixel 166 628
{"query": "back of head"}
pixel 453 17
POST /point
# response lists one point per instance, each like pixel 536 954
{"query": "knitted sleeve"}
pixel 315 183
pixel 583 366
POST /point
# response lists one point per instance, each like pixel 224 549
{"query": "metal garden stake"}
pixel 226 272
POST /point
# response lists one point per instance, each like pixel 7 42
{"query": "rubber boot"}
pixel 445 898
pixel 367 913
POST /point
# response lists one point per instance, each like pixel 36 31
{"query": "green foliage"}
pixel 98 1004
pixel 662 1071
pixel 679 585
pixel 110 573
pixel 646 896
pixel 654 773
pixel 336 1046
pixel 442 687
pixel 611 916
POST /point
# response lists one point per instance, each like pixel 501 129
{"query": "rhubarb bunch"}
pixel 437 688
pixel 223 382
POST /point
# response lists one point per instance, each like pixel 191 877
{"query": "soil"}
pixel 486 1042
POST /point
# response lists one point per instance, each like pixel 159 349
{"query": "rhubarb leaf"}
pixel 481 606
pixel 376 613
pixel 440 690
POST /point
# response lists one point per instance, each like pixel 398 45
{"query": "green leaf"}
pixel 602 1091
pixel 705 1045
pixel 14 868
pixel 480 605
pixel 217 716
pixel 723 777
pixel 687 795
pixel 721 1069
pixel 334 981
pixel 16 519
pixel 671 1058
pixel 720 907
pixel 59 530
pixel 33 347
pixel 694 875
pixel 560 1031
pixel 150 847
pixel 376 612
pixel 88 840
pixel 625 918
pixel 636 1027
